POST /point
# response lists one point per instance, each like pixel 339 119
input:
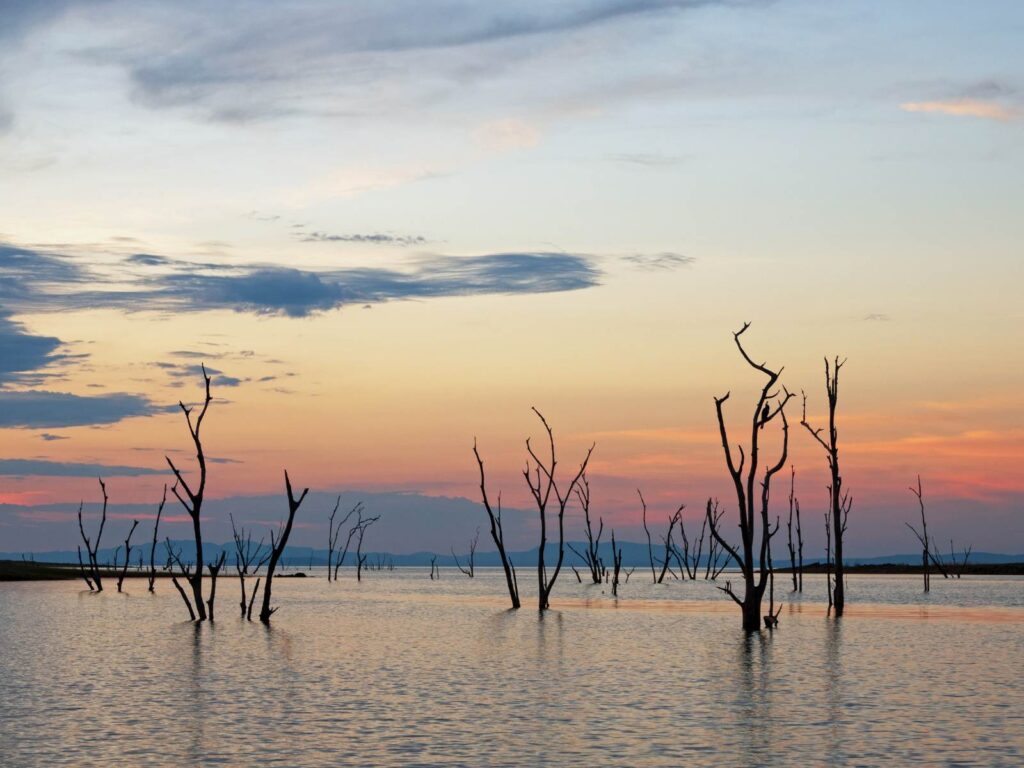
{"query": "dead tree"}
pixel 174 558
pixel 127 554
pixel 650 549
pixel 616 566
pixel 81 569
pixel 542 483
pixel 590 556
pixel 669 546
pixel 340 559
pixel 796 552
pixel 249 558
pixel 214 569
pixel 470 568
pixel 771 620
pixel 152 548
pixel 716 563
pixel 192 501
pixel 359 532
pixel 498 533
pixel 95 579
pixel 435 572
pixel 962 566
pixel 277 545
pixel 840 500
pixel 334 533
pixel 828 556
pixel 691 559
pixel 922 536
pixel 753 509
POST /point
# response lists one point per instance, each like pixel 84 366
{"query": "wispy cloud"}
pixel 986 110
pixel 659 261
pixel 376 238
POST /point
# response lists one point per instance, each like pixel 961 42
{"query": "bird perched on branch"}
pixel 764 415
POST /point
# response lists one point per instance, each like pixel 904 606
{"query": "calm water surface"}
pixel 399 670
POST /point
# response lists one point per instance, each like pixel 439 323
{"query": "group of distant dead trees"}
pixel 249 557
pixel 752 477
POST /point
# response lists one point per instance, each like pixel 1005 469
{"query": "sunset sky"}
pixel 389 227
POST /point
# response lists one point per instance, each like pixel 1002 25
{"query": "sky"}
pixel 388 228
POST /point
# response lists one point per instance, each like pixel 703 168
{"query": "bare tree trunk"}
pixel 214 569
pixel 592 557
pixel 799 548
pixel 127 554
pixel 277 547
pixel 771 620
pixel 152 548
pixel 828 556
pixel 617 566
pixel 650 550
pixel 789 527
pixel 672 522
pixel 92 549
pixel 498 533
pixel 922 536
pixel 541 481
pixel 471 569
pixel 840 501
pixel 193 501
pixel 752 510
pixel 83 572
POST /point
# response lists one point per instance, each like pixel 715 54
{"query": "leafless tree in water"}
pixel 922 536
pixel 249 558
pixel 152 548
pixel 94 579
pixel 771 619
pixel 192 501
pixel 435 572
pixel 591 556
pixel 540 477
pixel 214 569
pixel 360 531
pixel 690 559
pixel 470 568
pixel 616 565
pixel 670 550
pixel 840 500
pixel 127 554
pixel 796 551
pixel 753 511
pixel 961 567
pixel 650 548
pixel 340 558
pixel 718 559
pixel 828 556
pixel 185 569
pixel 498 533
pixel 277 545
pixel 334 533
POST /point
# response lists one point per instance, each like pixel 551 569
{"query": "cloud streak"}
pixel 978 108
pixel 43 468
pixel 48 410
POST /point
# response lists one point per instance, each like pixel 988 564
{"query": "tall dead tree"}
pixel 152 548
pixel 922 536
pixel 249 558
pixel 796 551
pixel 94 578
pixel 540 477
pixel 591 556
pixel 360 531
pixel 127 554
pixel 277 545
pixel 840 501
pixel 192 501
pixel 498 533
pixel 470 568
pixel 755 530
pixel 691 557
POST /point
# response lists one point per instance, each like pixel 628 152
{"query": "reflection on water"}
pixel 399 670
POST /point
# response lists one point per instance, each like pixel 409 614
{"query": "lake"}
pixel 400 670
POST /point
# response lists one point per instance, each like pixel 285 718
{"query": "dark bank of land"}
pixel 27 570
pixel 979 569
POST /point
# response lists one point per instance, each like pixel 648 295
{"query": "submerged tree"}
pixel 670 547
pixel 277 545
pixel 540 477
pixel 922 536
pixel 359 531
pixel 498 533
pixel 796 552
pixel 470 568
pixel 334 533
pixel 591 555
pixel 92 575
pixel 616 565
pixel 690 559
pixel 755 530
pixel 340 558
pixel 127 554
pixel 152 548
pixel 840 501
pixel 192 501
pixel 718 558
pixel 647 532
pixel 249 558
